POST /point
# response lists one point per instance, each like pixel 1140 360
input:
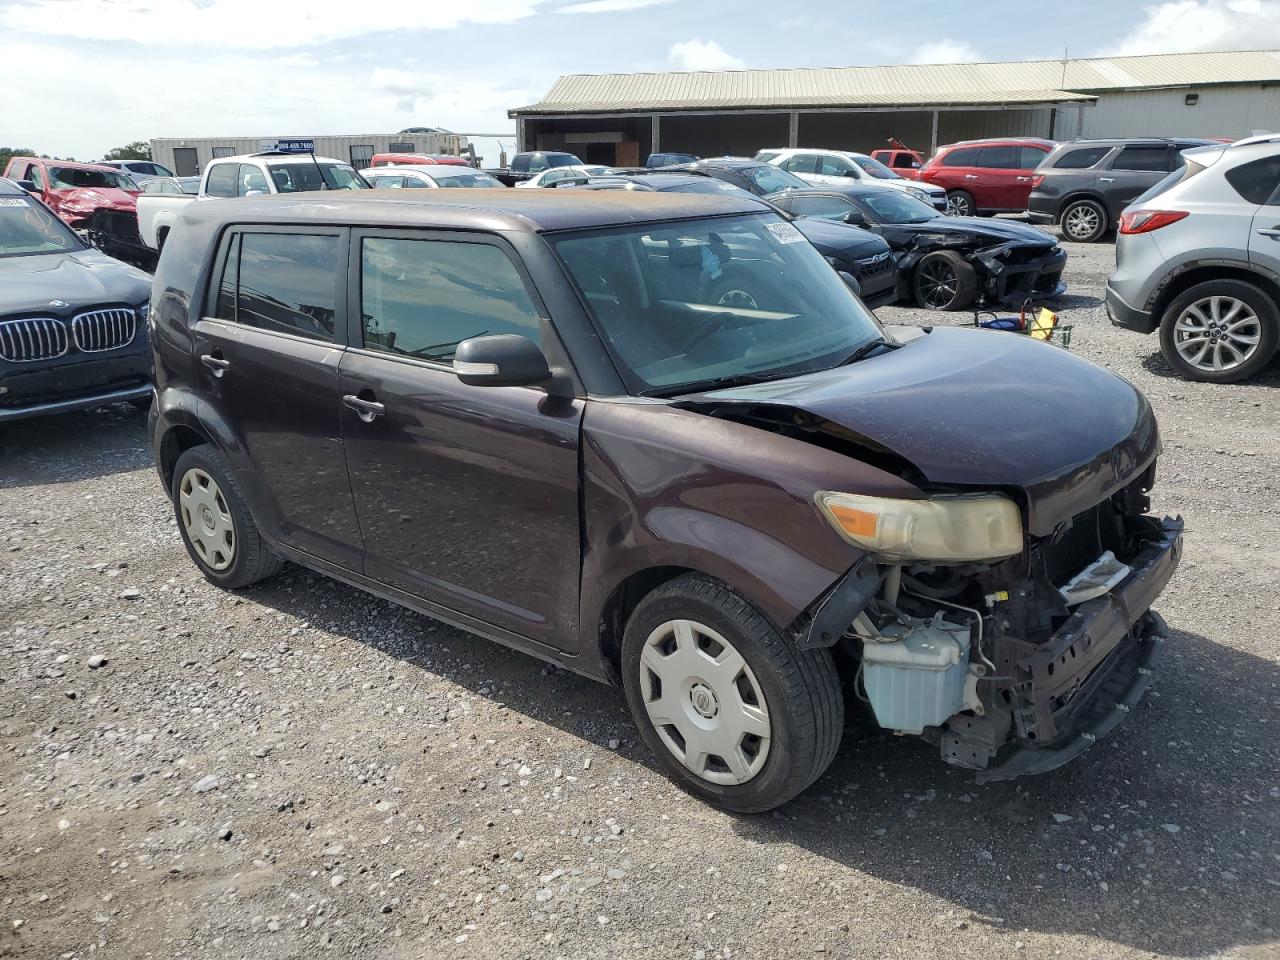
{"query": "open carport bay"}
pixel 303 770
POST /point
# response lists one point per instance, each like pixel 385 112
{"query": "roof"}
pixel 492 209
pixel 951 84
pixel 68 164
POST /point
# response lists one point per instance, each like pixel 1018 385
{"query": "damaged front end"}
pixel 1011 666
pixel 1008 273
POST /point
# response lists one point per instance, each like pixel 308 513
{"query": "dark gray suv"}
pixel 1084 184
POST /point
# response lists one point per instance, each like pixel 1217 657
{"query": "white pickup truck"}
pixel 252 175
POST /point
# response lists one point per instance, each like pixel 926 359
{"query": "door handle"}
pixel 1106 179
pixel 1024 179
pixel 1273 232
pixel 218 365
pixel 366 410
pixel 970 176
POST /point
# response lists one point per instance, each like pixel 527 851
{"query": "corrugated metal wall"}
pixel 340 148
pixel 1231 111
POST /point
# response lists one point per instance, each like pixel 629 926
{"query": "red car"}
pixel 904 161
pixel 986 176
pixel 403 159
pixel 76 191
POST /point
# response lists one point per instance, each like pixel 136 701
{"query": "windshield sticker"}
pixel 12 202
pixel 785 233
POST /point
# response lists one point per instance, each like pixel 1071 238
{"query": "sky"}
pixel 83 76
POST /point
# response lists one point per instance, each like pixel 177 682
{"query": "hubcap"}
pixel 1217 333
pixel 937 283
pixel 704 702
pixel 957 206
pixel 1081 222
pixel 206 519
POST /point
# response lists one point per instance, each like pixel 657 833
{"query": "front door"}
pixel 467 496
pixel 267 349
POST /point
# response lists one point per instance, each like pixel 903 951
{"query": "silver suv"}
pixel 1198 257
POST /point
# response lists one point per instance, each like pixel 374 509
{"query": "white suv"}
pixel 1198 258
pixel 826 168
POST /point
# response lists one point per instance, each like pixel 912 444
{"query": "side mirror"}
pixel 855 218
pixel 28 185
pixel 501 360
pixel 851 173
pixel 851 282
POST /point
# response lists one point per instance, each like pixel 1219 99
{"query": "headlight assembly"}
pixel 943 529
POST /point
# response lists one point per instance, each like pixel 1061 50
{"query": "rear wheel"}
pixel 960 203
pixel 731 710
pixel 1220 331
pixel 216 527
pixel 1084 221
pixel 944 281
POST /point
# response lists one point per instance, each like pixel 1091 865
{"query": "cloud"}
pixel 946 51
pixel 1185 26
pixel 610 6
pixel 251 24
pixel 703 55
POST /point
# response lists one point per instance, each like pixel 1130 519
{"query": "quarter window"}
pixel 1148 159
pixel 1030 157
pixel 421 298
pixel 284 283
pixel 1257 182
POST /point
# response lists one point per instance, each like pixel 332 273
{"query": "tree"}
pixel 7 152
pixel 138 150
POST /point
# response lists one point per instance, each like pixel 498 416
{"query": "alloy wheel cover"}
pixel 704 702
pixel 1217 333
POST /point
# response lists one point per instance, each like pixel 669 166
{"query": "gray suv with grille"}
pixel 1198 258
pixel 72 320
pixel 1084 184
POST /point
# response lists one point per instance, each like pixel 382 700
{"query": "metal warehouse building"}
pixel 187 157
pixel 621 118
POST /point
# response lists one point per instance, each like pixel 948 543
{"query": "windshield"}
pixel 875 168
pixel 476 179
pixel 304 176
pixel 767 179
pixel 893 206
pixel 26 228
pixel 563 160
pixel 64 178
pixel 713 302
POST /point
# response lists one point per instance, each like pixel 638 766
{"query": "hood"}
pixel 86 278
pixel 984 409
pixel 836 239
pixel 95 198
pixel 987 228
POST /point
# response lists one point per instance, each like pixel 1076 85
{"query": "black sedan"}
pixel 849 249
pixel 945 263
pixel 72 320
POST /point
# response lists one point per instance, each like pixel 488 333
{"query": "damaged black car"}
pixel 945 263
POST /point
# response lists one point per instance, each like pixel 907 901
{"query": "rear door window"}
pixel 1150 159
pixel 834 166
pixel 221 181
pixel 827 208
pixel 1257 182
pixel 1081 158
pixel 420 298
pixel 800 163
pixel 282 282
pixel 963 157
pixel 998 158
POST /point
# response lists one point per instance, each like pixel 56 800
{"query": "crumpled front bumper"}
pixel 1039 278
pixel 1074 689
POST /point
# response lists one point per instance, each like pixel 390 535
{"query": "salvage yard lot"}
pixel 303 770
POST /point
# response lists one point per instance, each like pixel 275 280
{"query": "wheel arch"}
pixel 1184 277
pixel 618 606
pixel 176 440
pixel 1084 194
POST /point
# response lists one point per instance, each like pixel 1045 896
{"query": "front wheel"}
pixel 1220 331
pixel 733 712
pixel 944 280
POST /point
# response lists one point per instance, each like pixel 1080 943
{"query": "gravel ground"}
pixel 302 770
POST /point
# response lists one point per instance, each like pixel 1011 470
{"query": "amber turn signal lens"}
pixel 858 523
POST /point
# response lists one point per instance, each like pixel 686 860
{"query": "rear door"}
pixel 467 496
pixel 997 188
pixel 1132 171
pixel 268 346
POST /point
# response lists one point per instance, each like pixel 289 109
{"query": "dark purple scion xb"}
pixel 524 413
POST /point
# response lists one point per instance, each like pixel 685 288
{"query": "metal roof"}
pixel 950 84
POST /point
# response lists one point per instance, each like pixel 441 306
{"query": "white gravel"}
pixel 303 770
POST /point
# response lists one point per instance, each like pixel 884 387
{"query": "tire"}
pixel 1084 221
pixel 142 404
pixel 944 280
pixel 791 696
pixel 228 562
pixel 1241 330
pixel 960 203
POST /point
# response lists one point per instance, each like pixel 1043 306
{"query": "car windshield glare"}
pixel 875 168
pixel 305 176
pixel 709 303
pixel 27 228
pixel 476 179
pixel 769 179
pixel 892 206
pixel 64 178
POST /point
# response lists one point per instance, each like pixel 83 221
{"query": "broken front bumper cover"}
pixel 1073 689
